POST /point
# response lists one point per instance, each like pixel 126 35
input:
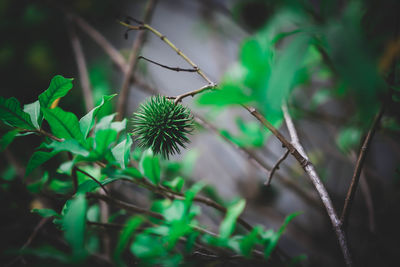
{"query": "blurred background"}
pixel 36 45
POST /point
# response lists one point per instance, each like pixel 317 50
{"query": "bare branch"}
pixel 357 170
pixel 81 64
pixel 319 186
pixel 276 167
pixel 167 67
pixel 132 62
pixel 194 92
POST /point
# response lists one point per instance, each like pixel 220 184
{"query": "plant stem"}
pixel 357 170
pixel 319 186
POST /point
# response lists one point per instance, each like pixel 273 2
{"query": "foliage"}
pixel 91 145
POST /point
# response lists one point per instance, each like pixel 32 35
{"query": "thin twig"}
pixel 276 167
pixel 94 179
pixel 170 44
pixel 132 62
pixel 357 170
pixel 81 64
pixel 194 92
pixel 177 69
pixel 312 174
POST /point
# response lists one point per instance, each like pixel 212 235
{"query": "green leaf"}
pixel 87 121
pixel 103 140
pixel 7 139
pixel 70 145
pixel 176 184
pixel 150 166
pixel 247 243
pixel 74 222
pixel 147 246
pixel 37 159
pixel 125 236
pixel 121 152
pixel 105 122
pixel 45 213
pixel 12 114
pixel 59 87
pixel 272 238
pixel 283 75
pixel 349 138
pixel 63 124
pixel 228 224
pixel 33 110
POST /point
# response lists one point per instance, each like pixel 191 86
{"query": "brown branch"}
pixel 177 69
pixel 81 64
pixel 319 186
pixel 193 93
pixel 132 62
pixel 276 167
pixel 357 170
pixel 110 50
pixel 94 179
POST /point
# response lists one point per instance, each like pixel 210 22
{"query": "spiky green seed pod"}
pixel 162 125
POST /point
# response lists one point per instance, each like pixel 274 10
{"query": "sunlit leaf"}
pixel 33 110
pixel 150 166
pixel 87 121
pixel 121 152
pixel 70 145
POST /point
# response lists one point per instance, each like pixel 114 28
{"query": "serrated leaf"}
pixel 37 159
pixel 63 124
pixel 121 152
pixel 70 145
pixel 59 87
pixel 228 224
pixel 87 121
pixel 45 213
pixel 33 110
pixel 12 114
pixel 125 236
pixel 150 166
pixel 7 139
pixel 74 224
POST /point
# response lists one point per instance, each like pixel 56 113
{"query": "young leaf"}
pixel 63 124
pixel 12 114
pixel 7 139
pixel 122 151
pixel 125 236
pixel 228 224
pixel 150 166
pixel 272 238
pixel 70 145
pixel 59 87
pixel 33 110
pixel 87 121
pixel 37 159
pixel 176 184
pixel 74 222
